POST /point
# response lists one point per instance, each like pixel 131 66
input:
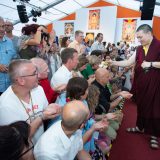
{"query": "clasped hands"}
pixel 146 64
pixel 125 94
pixel 60 88
pixel 100 125
pixel 104 123
pixel 51 111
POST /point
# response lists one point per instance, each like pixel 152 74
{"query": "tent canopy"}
pixel 56 9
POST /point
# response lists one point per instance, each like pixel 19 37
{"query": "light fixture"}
pixel 39 13
pixel 34 19
pixel 34 13
pixel 27 1
pixel 22 13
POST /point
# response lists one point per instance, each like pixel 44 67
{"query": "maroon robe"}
pixel 147 90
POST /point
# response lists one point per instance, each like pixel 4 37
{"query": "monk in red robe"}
pixel 146 85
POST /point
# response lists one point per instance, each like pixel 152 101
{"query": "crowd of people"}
pixel 64 100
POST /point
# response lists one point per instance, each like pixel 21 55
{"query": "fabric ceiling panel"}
pixel 68 6
pixel 8 8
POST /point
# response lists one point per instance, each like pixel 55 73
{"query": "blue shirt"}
pixel 7 53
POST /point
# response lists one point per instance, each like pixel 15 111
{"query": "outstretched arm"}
pixel 125 63
pixel 83 155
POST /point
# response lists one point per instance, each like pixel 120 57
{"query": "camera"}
pixel 45 36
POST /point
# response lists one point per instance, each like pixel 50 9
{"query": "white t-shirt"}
pixel 55 145
pixel 61 76
pixel 12 109
pixel 97 46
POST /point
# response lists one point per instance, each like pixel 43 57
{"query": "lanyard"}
pixel 30 117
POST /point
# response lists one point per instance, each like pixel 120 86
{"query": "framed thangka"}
pixel 90 36
pixel 69 29
pixel 94 19
pixel 129 29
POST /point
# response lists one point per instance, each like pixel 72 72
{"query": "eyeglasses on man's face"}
pixel 8 25
pixel 2 26
pixel 35 73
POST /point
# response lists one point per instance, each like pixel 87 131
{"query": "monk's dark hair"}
pixel 145 28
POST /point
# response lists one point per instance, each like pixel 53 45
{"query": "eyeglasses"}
pixel 34 74
pixel 2 26
pixel 7 25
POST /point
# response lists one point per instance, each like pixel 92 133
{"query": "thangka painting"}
pixel 69 29
pixel 129 29
pixel 90 36
pixel 94 19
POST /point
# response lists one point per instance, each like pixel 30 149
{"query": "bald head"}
pixel 74 114
pixel 102 76
pixel 100 72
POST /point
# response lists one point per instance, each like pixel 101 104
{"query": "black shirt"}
pixel 104 99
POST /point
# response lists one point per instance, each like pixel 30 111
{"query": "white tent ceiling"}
pixel 8 9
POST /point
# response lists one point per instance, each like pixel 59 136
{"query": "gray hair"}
pixel 93 60
pixel 15 68
pixel 38 63
pixel 7 21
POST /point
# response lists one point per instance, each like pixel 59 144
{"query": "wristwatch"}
pixel 41 116
pixel 120 97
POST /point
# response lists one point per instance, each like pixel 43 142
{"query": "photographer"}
pixel 31 43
